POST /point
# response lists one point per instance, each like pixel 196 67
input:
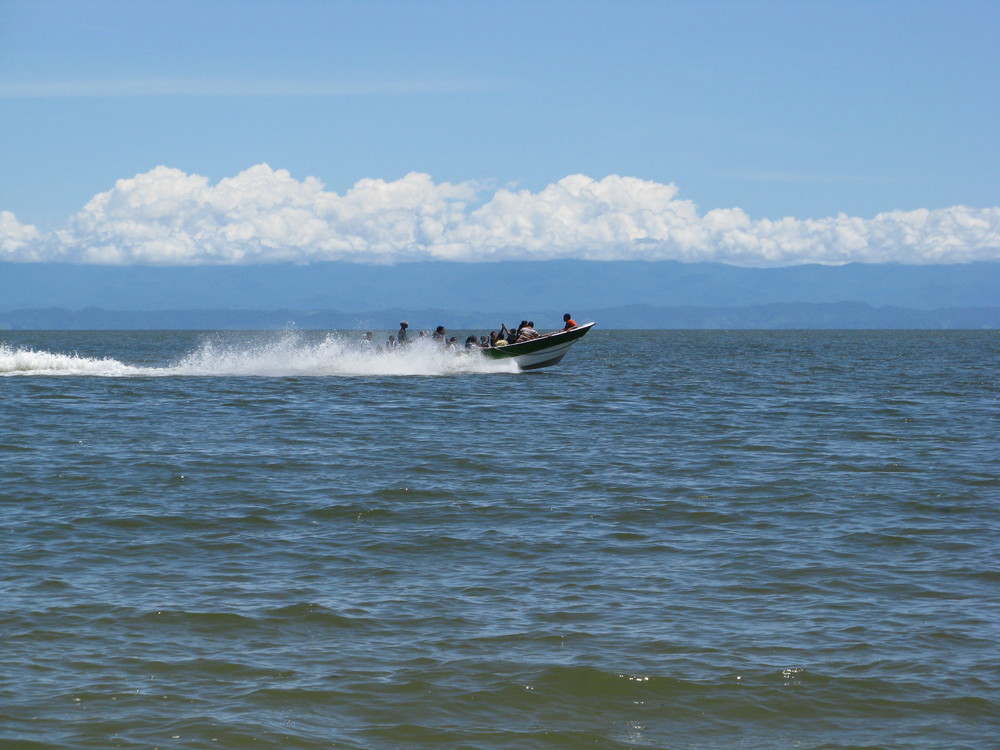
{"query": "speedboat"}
pixel 544 351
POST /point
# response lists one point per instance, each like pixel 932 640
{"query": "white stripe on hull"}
pixel 543 358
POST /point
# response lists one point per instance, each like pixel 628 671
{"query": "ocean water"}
pixel 700 539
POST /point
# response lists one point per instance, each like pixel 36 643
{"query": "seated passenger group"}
pixel 524 332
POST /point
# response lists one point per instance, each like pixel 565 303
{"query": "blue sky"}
pixel 808 110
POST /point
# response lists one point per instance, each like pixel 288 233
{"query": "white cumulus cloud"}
pixel 17 240
pixel 264 215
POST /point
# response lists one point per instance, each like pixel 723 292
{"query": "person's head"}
pixel 403 324
pixel 392 338
pixel 531 324
pixel 368 334
pixel 567 317
pixel 523 324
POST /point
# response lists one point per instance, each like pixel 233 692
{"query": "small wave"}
pixel 288 356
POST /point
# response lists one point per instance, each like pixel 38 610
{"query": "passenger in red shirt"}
pixel 570 323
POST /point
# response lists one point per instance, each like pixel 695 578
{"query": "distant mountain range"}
pixel 795 315
pixel 619 294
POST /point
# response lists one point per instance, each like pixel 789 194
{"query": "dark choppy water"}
pixel 673 540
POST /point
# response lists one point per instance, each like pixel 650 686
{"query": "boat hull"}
pixel 543 351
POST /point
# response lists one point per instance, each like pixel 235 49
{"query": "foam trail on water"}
pixel 290 355
pixel 23 361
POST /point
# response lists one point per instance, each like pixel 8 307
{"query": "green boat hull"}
pixel 544 351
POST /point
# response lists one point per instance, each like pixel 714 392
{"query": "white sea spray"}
pixel 290 354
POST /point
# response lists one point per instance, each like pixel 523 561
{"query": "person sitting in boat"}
pixel 527 332
pixel 471 343
pixel 453 344
pixel 391 343
pixel 440 335
pixel 510 334
pixel 570 323
pixel 401 337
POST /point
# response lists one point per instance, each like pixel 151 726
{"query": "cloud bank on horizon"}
pixel 264 215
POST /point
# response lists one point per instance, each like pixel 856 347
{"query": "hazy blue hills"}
pixel 795 315
pixel 625 294
pixel 490 286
